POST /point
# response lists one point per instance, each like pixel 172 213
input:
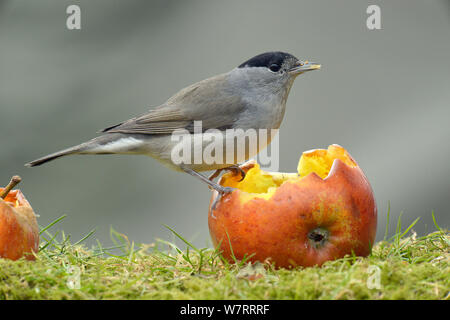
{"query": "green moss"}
pixel 409 268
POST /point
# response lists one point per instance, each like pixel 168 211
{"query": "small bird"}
pixel 251 96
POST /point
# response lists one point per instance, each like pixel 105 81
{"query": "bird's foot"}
pixel 215 174
pixel 221 192
pixel 220 189
pixel 237 170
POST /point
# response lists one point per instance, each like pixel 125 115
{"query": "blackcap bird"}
pixel 251 96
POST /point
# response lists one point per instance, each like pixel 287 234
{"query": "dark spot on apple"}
pixel 318 237
pixel 315 236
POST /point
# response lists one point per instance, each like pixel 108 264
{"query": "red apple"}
pixel 19 231
pixel 325 211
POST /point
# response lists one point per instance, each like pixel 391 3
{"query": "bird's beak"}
pixel 303 66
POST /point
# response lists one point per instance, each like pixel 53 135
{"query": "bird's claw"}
pixel 221 191
pixel 237 170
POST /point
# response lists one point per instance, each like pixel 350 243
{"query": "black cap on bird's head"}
pixel 277 61
pixel 267 59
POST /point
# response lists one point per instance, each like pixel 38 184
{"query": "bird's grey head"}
pixel 270 73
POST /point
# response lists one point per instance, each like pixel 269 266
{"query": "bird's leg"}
pixel 235 169
pixel 220 189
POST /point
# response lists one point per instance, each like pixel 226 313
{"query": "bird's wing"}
pixel 206 101
pixel 161 120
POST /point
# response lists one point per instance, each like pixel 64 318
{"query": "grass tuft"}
pixel 404 266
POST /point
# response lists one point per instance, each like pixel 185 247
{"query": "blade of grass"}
pixel 231 247
pixel 387 221
pixel 52 224
pixel 48 242
pixel 434 221
pixel 410 226
pixel 85 237
pixel 182 239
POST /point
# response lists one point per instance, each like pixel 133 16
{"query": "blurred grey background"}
pixel 384 95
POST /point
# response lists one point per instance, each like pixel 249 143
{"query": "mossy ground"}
pixel 409 267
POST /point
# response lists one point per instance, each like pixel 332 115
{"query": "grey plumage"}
pixel 84 148
pixel 187 106
pixel 251 96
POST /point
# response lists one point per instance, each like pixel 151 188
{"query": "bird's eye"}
pixel 274 67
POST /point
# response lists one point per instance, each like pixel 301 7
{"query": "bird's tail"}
pixel 53 156
pixel 111 143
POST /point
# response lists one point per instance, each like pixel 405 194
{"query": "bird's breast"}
pixel 263 114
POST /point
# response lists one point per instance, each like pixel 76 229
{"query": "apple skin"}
pixel 19 231
pixel 306 222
